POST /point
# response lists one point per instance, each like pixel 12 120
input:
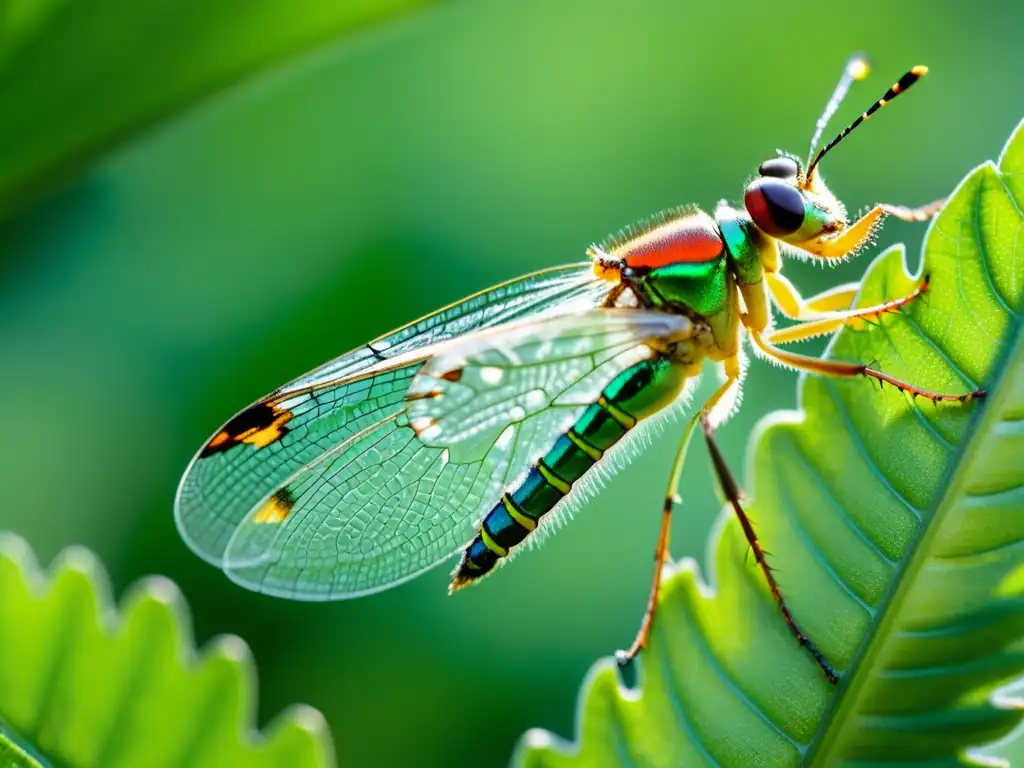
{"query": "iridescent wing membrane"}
pixel 380 464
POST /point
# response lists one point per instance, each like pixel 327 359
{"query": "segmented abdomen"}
pixel 634 394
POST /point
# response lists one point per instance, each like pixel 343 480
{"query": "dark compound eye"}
pixel 779 168
pixel 775 206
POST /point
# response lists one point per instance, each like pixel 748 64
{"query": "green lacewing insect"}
pixel 470 431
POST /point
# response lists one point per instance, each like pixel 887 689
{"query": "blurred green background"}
pixel 219 253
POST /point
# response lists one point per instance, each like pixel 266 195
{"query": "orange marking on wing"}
pixel 259 425
pixel 277 508
pixel 422 395
pixel 261 438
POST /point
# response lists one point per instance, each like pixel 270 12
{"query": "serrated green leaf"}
pixel 86 687
pixel 898 531
pixel 77 78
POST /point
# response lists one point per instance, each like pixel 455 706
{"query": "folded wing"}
pixel 404 492
pixel 260 448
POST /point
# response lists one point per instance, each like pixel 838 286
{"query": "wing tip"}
pixel 182 514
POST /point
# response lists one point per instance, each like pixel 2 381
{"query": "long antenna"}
pixel 857 68
pixel 898 87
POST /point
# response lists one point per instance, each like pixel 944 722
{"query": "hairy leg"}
pixel 732 495
pixel 661 550
pixel 846 369
pixel 832 321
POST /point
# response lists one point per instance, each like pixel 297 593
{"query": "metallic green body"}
pixel 682 272
pixel 745 243
pixel 636 393
pixel 700 287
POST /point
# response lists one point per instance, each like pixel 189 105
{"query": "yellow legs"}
pixel 832 307
pixel 789 301
pixel 822 308
pixel 817 321
pixel 820 314
pixel 845 242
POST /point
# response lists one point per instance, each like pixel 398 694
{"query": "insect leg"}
pixel 613 295
pixel 921 213
pixel 833 321
pixel 851 238
pixel 846 369
pixel 732 494
pixel 661 554
pixel 794 306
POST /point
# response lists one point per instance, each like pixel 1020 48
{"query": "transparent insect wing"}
pixel 408 492
pixel 468 396
pixel 259 449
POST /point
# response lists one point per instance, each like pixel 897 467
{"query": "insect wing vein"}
pixel 388 504
pixel 255 453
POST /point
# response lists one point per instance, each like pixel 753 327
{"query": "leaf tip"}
pixel 230 648
pixel 79 561
pixel 162 590
pixel 72 599
pixel 16 549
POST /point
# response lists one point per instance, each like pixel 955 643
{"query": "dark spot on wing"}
pixel 260 425
pixel 452 375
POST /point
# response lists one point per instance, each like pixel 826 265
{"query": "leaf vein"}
pixel 680 708
pixel 971 383
pixel 976 665
pixel 868 458
pixel 708 652
pixel 819 556
pixel 929 427
pixel 984 259
pixel 826 488
pixel 962 557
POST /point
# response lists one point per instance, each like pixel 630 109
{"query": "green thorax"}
pixel 745 243
pixel 701 287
